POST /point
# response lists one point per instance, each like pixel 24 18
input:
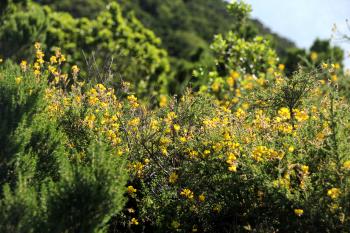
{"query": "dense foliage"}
pixel 92 141
pixel 112 47
pixel 47 183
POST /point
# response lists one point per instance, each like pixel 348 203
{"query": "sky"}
pixel 302 21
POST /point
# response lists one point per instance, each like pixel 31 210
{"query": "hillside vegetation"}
pixel 167 116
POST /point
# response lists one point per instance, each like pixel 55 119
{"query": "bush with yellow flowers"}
pixel 53 178
pixel 270 154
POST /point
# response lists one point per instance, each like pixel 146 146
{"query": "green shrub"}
pixel 46 184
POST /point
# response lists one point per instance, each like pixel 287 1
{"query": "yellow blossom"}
pixel 201 197
pixel 53 59
pixel 62 59
pixel 187 193
pixel 23 65
pixel 37 45
pixel 346 165
pixel 134 221
pixel 291 149
pixel 281 67
pixel 134 122
pixel 75 70
pixel 284 113
pixel 334 78
pixel 133 101
pixel 240 113
pixel 336 66
pixel 313 56
pixel 215 86
pixel 300 116
pixel 298 212
pixel 163 101
pixel 173 178
pixel 232 168
pixel 177 127
pixel 18 80
pixel 230 81
pixel 333 193
pixel 305 169
pixel 235 75
pixel 131 189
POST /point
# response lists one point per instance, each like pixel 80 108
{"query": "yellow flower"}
pixel 187 193
pixel 62 59
pixel 230 81
pixel 284 113
pixel 235 75
pixel 134 122
pixel 298 212
pixel 134 221
pixel 336 66
pixel 173 178
pixel 53 59
pixel 75 69
pixel 131 189
pixel 240 113
pixel 201 197
pixel 232 168
pixel 305 169
pixel 177 127
pixel 23 65
pixel 37 45
pixel 164 150
pixel 300 116
pixel 40 55
pixel 245 106
pixel 291 149
pixel 163 101
pixel 215 86
pixel 281 67
pixel 334 78
pixel 313 56
pixel 133 101
pixel 171 116
pixel 18 80
pixel 90 120
pixel 333 193
pixel 346 165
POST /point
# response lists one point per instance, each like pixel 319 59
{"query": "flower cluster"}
pixel 244 145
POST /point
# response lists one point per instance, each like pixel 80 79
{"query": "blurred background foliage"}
pixel 154 43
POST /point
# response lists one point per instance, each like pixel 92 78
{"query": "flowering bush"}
pixel 262 152
pixel 47 183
